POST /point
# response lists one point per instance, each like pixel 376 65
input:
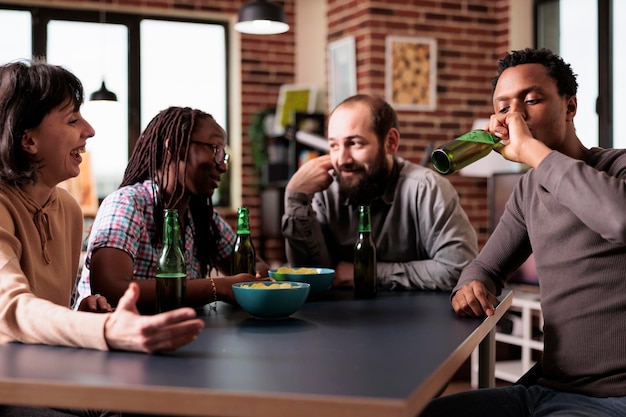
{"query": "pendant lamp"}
pixel 261 17
pixel 103 94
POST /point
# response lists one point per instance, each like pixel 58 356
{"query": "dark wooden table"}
pixel 335 357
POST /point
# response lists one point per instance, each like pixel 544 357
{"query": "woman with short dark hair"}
pixel 42 137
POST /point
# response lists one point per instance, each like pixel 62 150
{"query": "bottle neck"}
pixel 243 221
pixel 364 235
pixel 170 228
pixel 364 220
pixel 243 229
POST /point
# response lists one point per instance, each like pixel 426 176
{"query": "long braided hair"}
pixel 171 130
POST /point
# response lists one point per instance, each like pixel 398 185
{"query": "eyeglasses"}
pixel 221 156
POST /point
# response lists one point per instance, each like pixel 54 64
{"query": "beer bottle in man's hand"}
pixel 464 150
pixel 171 272
pixel 364 257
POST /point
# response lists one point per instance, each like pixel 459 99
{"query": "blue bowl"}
pixel 320 281
pixel 266 302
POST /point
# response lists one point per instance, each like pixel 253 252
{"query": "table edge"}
pixel 439 379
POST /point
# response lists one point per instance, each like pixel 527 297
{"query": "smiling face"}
pixel 203 174
pixel 57 142
pixel 529 90
pixel 360 161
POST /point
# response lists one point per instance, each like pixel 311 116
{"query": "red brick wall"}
pixel 471 35
pixel 267 62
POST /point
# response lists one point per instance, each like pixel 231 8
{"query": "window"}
pixel 15 35
pixel 148 61
pixel 106 46
pixel 591 37
pixel 571 30
pixel 182 64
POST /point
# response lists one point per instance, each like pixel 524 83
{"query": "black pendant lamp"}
pixel 261 17
pixel 103 94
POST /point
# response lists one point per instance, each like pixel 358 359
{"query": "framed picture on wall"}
pixel 411 73
pixel 293 98
pixel 341 70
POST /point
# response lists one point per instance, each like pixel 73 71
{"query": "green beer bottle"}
pixel 364 257
pixel 171 273
pixel 243 256
pixel 463 151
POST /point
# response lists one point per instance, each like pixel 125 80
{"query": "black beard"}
pixel 369 186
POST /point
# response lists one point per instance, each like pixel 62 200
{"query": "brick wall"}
pixel 267 62
pixel 471 35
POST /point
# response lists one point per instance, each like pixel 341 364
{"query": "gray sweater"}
pixel 572 215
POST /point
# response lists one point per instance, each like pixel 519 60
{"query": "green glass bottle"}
pixel 243 256
pixel 365 257
pixel 463 151
pixel 171 273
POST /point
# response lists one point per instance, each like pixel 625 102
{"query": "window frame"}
pixel 604 101
pixel 42 15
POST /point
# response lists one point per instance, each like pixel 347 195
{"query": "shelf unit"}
pixel 528 304
pixel 285 154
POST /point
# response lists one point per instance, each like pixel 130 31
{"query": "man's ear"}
pixel 392 141
pixel 29 144
pixel 572 106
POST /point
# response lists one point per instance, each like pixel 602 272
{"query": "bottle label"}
pixel 479 136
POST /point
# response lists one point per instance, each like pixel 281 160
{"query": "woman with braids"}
pixel 42 137
pixel 177 163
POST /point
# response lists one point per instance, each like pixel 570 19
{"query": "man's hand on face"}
pixel 313 176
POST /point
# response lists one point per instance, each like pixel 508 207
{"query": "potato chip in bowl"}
pixel 320 279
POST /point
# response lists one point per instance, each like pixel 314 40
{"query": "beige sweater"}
pixel 39 255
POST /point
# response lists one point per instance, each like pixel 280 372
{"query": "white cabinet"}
pixel 526 327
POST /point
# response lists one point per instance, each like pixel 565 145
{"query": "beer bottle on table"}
pixel 171 273
pixel 463 151
pixel 243 256
pixel 364 257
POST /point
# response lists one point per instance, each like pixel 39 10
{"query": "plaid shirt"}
pixel 125 221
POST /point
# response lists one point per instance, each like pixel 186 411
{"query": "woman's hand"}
pixel 95 304
pixel 224 285
pixel 262 269
pixel 126 329
pixel 344 274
